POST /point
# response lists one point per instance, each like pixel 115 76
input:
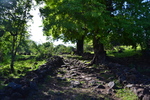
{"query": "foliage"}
pixel 60 49
pixel 68 20
pixel 5 45
pixel 14 16
pixel 131 27
pixel 126 51
pixel 124 21
pixel 88 46
pixel 40 51
pixel 45 50
pixel 21 67
pixel 126 94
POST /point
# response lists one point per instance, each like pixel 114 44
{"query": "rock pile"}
pixel 132 79
pixel 88 77
pixel 27 85
pixel 129 77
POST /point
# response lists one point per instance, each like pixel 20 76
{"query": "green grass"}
pixel 20 57
pixel 21 67
pixel 127 52
pixel 126 94
pixel 2 84
pixel 71 56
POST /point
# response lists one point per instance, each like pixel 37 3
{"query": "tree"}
pixel 132 21
pixel 102 19
pixel 14 16
pixel 87 16
pixel 70 30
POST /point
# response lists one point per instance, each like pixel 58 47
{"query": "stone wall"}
pixel 27 85
pixel 132 79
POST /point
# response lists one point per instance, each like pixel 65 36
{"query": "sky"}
pixel 36 31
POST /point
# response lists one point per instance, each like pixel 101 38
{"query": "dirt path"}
pixel 76 81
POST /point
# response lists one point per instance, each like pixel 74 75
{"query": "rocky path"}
pixel 76 81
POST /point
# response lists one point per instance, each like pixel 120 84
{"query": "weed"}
pixel 95 66
pixel 126 94
pixel 2 84
pixel 100 83
pixel 82 82
pixel 118 84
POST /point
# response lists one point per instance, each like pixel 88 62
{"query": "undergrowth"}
pixel 124 51
pixel 126 94
pixel 21 67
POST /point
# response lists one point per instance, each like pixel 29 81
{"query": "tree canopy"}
pixel 103 21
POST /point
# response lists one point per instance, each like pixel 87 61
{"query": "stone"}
pixel 6 98
pixel 109 91
pixel 139 92
pixel 2 96
pixel 33 85
pixel 129 86
pixel 25 90
pixel 131 78
pixel 74 74
pixel 111 84
pixel 88 78
pixel 2 93
pixel 146 97
pixel 92 83
pixel 64 66
pixel 8 90
pixel 75 83
pixel 14 85
pixel 43 72
pixel 61 79
pixel 101 87
pixel 100 78
pixel 58 98
pixel 16 95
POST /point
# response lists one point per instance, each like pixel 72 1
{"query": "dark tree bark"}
pixel 99 52
pixel 80 43
pixel 148 44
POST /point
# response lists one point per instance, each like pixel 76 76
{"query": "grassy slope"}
pixel 21 67
pixel 128 51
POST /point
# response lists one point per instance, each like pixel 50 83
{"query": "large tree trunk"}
pixel 80 43
pixel 99 52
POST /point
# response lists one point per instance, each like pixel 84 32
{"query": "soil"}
pixel 76 81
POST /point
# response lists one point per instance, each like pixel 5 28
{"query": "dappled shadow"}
pixel 55 89
pixel 75 81
pixel 140 63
